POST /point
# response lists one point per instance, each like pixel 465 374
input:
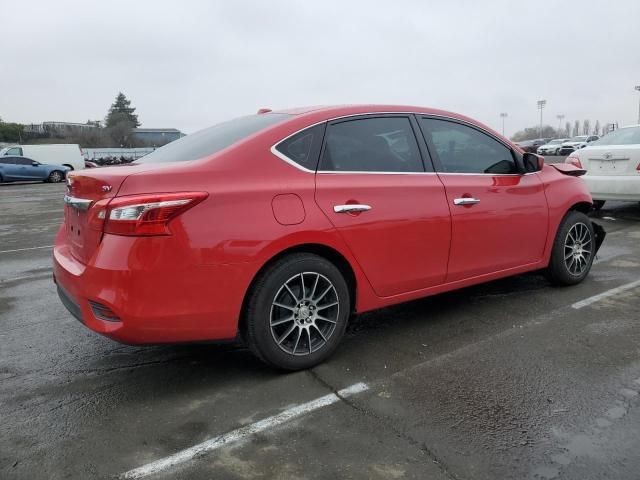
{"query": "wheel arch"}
pixel 68 165
pixel 584 207
pixel 325 251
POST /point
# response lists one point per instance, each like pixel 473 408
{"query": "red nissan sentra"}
pixel 277 227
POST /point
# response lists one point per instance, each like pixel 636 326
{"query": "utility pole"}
pixel 559 117
pixel 503 115
pixel 541 105
pixel 638 89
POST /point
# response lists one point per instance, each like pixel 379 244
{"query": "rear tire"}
pixel 55 177
pixel 573 250
pixel 598 204
pixel 297 312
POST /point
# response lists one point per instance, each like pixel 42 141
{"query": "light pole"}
pixel 541 104
pixel 503 115
pixel 638 89
pixel 559 117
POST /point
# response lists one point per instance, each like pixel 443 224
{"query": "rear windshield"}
pixel 622 136
pixel 213 139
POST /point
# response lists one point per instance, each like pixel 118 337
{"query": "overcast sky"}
pixel 189 64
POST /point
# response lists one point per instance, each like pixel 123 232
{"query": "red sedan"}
pixel 277 227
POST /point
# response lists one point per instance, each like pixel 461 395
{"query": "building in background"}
pixel 156 136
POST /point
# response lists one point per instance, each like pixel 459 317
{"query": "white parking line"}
pixel 608 293
pixel 25 249
pixel 242 433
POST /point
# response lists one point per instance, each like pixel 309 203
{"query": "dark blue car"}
pixel 19 169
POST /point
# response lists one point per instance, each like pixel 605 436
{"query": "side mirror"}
pixel 34 164
pixel 532 162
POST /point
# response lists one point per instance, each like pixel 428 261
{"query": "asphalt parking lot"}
pixel 512 379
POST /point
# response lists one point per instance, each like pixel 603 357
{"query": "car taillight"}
pixel 573 160
pixel 142 214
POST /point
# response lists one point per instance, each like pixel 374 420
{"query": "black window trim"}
pixel 517 158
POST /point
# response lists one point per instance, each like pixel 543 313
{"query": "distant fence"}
pixel 127 153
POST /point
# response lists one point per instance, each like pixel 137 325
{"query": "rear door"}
pixel 499 217
pixel 390 210
pixel 10 171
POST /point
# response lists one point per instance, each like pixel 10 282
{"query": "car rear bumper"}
pixel 155 303
pixel 614 187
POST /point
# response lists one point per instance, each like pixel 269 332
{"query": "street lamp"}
pixel 503 115
pixel 559 117
pixel 638 89
pixel 541 105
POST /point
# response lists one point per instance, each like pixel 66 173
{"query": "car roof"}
pixel 328 112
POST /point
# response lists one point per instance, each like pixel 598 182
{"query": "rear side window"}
pixel 303 148
pixel 463 149
pixel 8 160
pixel 14 151
pixel 213 139
pixel 383 144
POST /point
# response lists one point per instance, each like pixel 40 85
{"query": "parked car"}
pixel 552 147
pixel 68 155
pixel 276 227
pixel 532 145
pixel 612 166
pixel 577 143
pixel 18 169
pixel 90 164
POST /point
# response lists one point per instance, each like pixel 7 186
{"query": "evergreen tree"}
pixel 596 128
pixel 122 111
pixel 586 127
pixel 567 128
pixel 576 128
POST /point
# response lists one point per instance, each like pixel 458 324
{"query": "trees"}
pixel 596 128
pixel 121 111
pixel 567 129
pixel 531 133
pixel 10 132
pixel 576 128
pixel 586 127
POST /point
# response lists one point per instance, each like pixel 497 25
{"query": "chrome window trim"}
pixel 286 159
pixel 77 203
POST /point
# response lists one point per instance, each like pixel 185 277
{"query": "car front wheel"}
pixel 56 176
pixel 573 250
pixel 297 312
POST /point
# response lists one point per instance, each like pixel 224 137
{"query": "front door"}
pixel 499 217
pixel 393 215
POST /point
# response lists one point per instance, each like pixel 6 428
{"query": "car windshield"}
pixel 581 138
pixel 622 136
pixel 556 141
pixel 213 139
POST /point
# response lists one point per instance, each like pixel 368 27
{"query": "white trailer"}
pixel 67 154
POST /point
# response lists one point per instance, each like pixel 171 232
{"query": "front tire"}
pixel 55 177
pixel 297 312
pixel 573 250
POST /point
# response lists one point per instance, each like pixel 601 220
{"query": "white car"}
pixel 576 143
pixel 552 148
pixel 612 165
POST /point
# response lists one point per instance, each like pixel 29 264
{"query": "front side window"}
pixel 23 161
pixel 463 149
pixel 14 151
pixel 381 144
pixel 303 148
pixel 213 139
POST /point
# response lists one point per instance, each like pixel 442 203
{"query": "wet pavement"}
pixel 502 380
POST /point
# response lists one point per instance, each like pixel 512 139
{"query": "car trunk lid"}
pixel 84 190
pixel 609 160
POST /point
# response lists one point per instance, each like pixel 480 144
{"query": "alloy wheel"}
pixel 304 313
pixel 55 177
pixel 578 247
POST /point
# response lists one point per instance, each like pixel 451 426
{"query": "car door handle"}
pixel 354 207
pixel 466 201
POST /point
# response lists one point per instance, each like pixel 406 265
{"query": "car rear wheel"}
pixel 55 177
pixel 297 312
pixel 573 250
